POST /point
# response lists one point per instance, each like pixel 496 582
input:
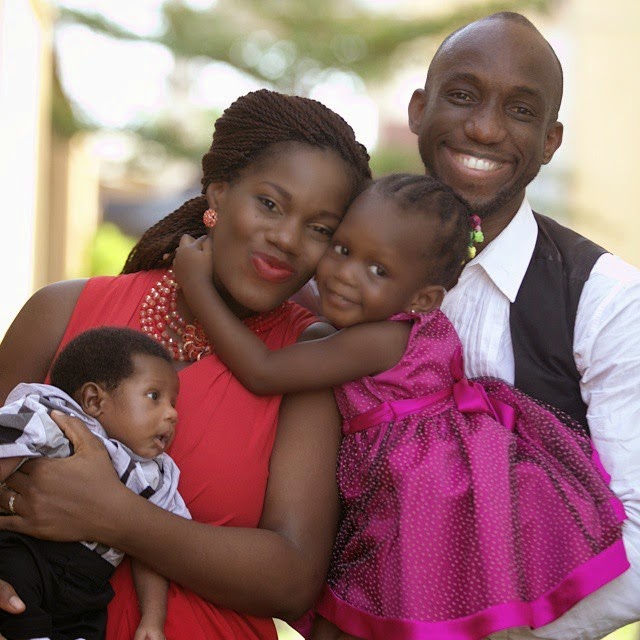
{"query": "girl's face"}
pixel 376 263
pixel 274 224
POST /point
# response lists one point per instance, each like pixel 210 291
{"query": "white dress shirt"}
pixel 607 354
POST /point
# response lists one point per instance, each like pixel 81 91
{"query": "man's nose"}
pixel 486 124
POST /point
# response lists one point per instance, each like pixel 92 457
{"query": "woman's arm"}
pixel 31 341
pixel 275 570
pixel 352 353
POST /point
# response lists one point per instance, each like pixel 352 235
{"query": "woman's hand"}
pixel 9 601
pixel 193 263
pixel 60 499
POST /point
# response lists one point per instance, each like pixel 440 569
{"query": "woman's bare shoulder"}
pixel 28 348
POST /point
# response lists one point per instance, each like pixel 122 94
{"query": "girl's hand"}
pixel 193 263
pixel 60 499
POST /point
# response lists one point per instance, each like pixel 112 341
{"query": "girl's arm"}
pixel 152 591
pixel 352 353
pixel 275 570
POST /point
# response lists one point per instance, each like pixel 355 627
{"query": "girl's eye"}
pixel 341 249
pixel 268 204
pixel 378 271
pixel 154 395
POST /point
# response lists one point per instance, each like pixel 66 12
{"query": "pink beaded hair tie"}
pixel 475 235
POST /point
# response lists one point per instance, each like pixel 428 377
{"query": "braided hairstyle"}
pixel 427 196
pixel 247 131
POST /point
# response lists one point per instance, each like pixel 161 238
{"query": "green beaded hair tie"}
pixel 475 235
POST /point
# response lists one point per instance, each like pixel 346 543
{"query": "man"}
pixel 539 306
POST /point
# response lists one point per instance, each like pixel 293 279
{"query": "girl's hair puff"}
pixel 247 131
pixel 428 196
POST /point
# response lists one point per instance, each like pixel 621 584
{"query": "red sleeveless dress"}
pixel 222 445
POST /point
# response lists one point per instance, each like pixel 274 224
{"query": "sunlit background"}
pixel 106 107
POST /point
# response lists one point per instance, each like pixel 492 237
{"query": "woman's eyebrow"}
pixel 281 190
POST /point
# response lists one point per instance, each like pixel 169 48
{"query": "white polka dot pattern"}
pixel 450 514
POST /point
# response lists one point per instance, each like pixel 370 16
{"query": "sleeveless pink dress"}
pixel 468 507
pixel 222 446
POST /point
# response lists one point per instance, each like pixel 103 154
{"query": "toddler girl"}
pixel 467 506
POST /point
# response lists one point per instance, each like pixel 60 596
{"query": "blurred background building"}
pixel 106 107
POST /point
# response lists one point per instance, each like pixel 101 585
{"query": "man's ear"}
pixel 215 194
pixel 91 398
pixel 427 299
pixel 552 141
pixel 417 105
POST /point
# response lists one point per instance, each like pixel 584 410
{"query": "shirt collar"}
pixel 506 258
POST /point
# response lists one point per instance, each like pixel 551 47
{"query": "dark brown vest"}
pixel 542 318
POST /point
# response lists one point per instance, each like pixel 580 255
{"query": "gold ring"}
pixel 12 499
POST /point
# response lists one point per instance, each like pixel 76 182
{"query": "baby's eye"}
pixel 378 271
pixel 341 249
pixel 154 395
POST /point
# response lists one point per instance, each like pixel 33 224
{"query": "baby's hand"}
pixel 149 631
pixel 193 263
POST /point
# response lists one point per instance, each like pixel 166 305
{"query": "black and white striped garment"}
pixel 27 431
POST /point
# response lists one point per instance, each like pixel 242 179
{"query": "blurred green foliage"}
pixel 289 45
pixel 109 250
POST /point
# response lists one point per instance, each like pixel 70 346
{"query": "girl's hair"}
pixel 427 196
pixel 103 355
pixel 246 132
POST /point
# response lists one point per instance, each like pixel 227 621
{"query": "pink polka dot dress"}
pixel 467 507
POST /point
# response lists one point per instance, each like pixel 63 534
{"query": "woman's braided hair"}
pixel 427 196
pixel 244 133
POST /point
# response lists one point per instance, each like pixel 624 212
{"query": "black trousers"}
pixel 64 586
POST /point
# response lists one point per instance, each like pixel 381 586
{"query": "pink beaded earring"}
pixel 210 218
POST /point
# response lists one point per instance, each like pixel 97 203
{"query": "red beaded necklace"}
pixel 159 315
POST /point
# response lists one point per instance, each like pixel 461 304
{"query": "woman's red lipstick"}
pixel 270 268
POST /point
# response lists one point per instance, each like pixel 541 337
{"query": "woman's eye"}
pixel 378 271
pixel 154 395
pixel 325 231
pixel 340 249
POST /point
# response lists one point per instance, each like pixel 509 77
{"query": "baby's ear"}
pixel 91 398
pixel 427 299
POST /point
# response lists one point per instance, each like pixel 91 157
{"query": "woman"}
pixel 280 174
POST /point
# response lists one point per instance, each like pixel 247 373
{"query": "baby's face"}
pixel 375 263
pixel 140 412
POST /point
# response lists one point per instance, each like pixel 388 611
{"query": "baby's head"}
pixel 125 380
pixel 401 244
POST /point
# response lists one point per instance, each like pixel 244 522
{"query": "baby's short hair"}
pixel 104 356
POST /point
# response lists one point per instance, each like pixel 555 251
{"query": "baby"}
pixel 124 387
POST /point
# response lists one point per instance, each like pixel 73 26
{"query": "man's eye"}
pixel 378 271
pixel 341 249
pixel 154 395
pixel 523 111
pixel 460 96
